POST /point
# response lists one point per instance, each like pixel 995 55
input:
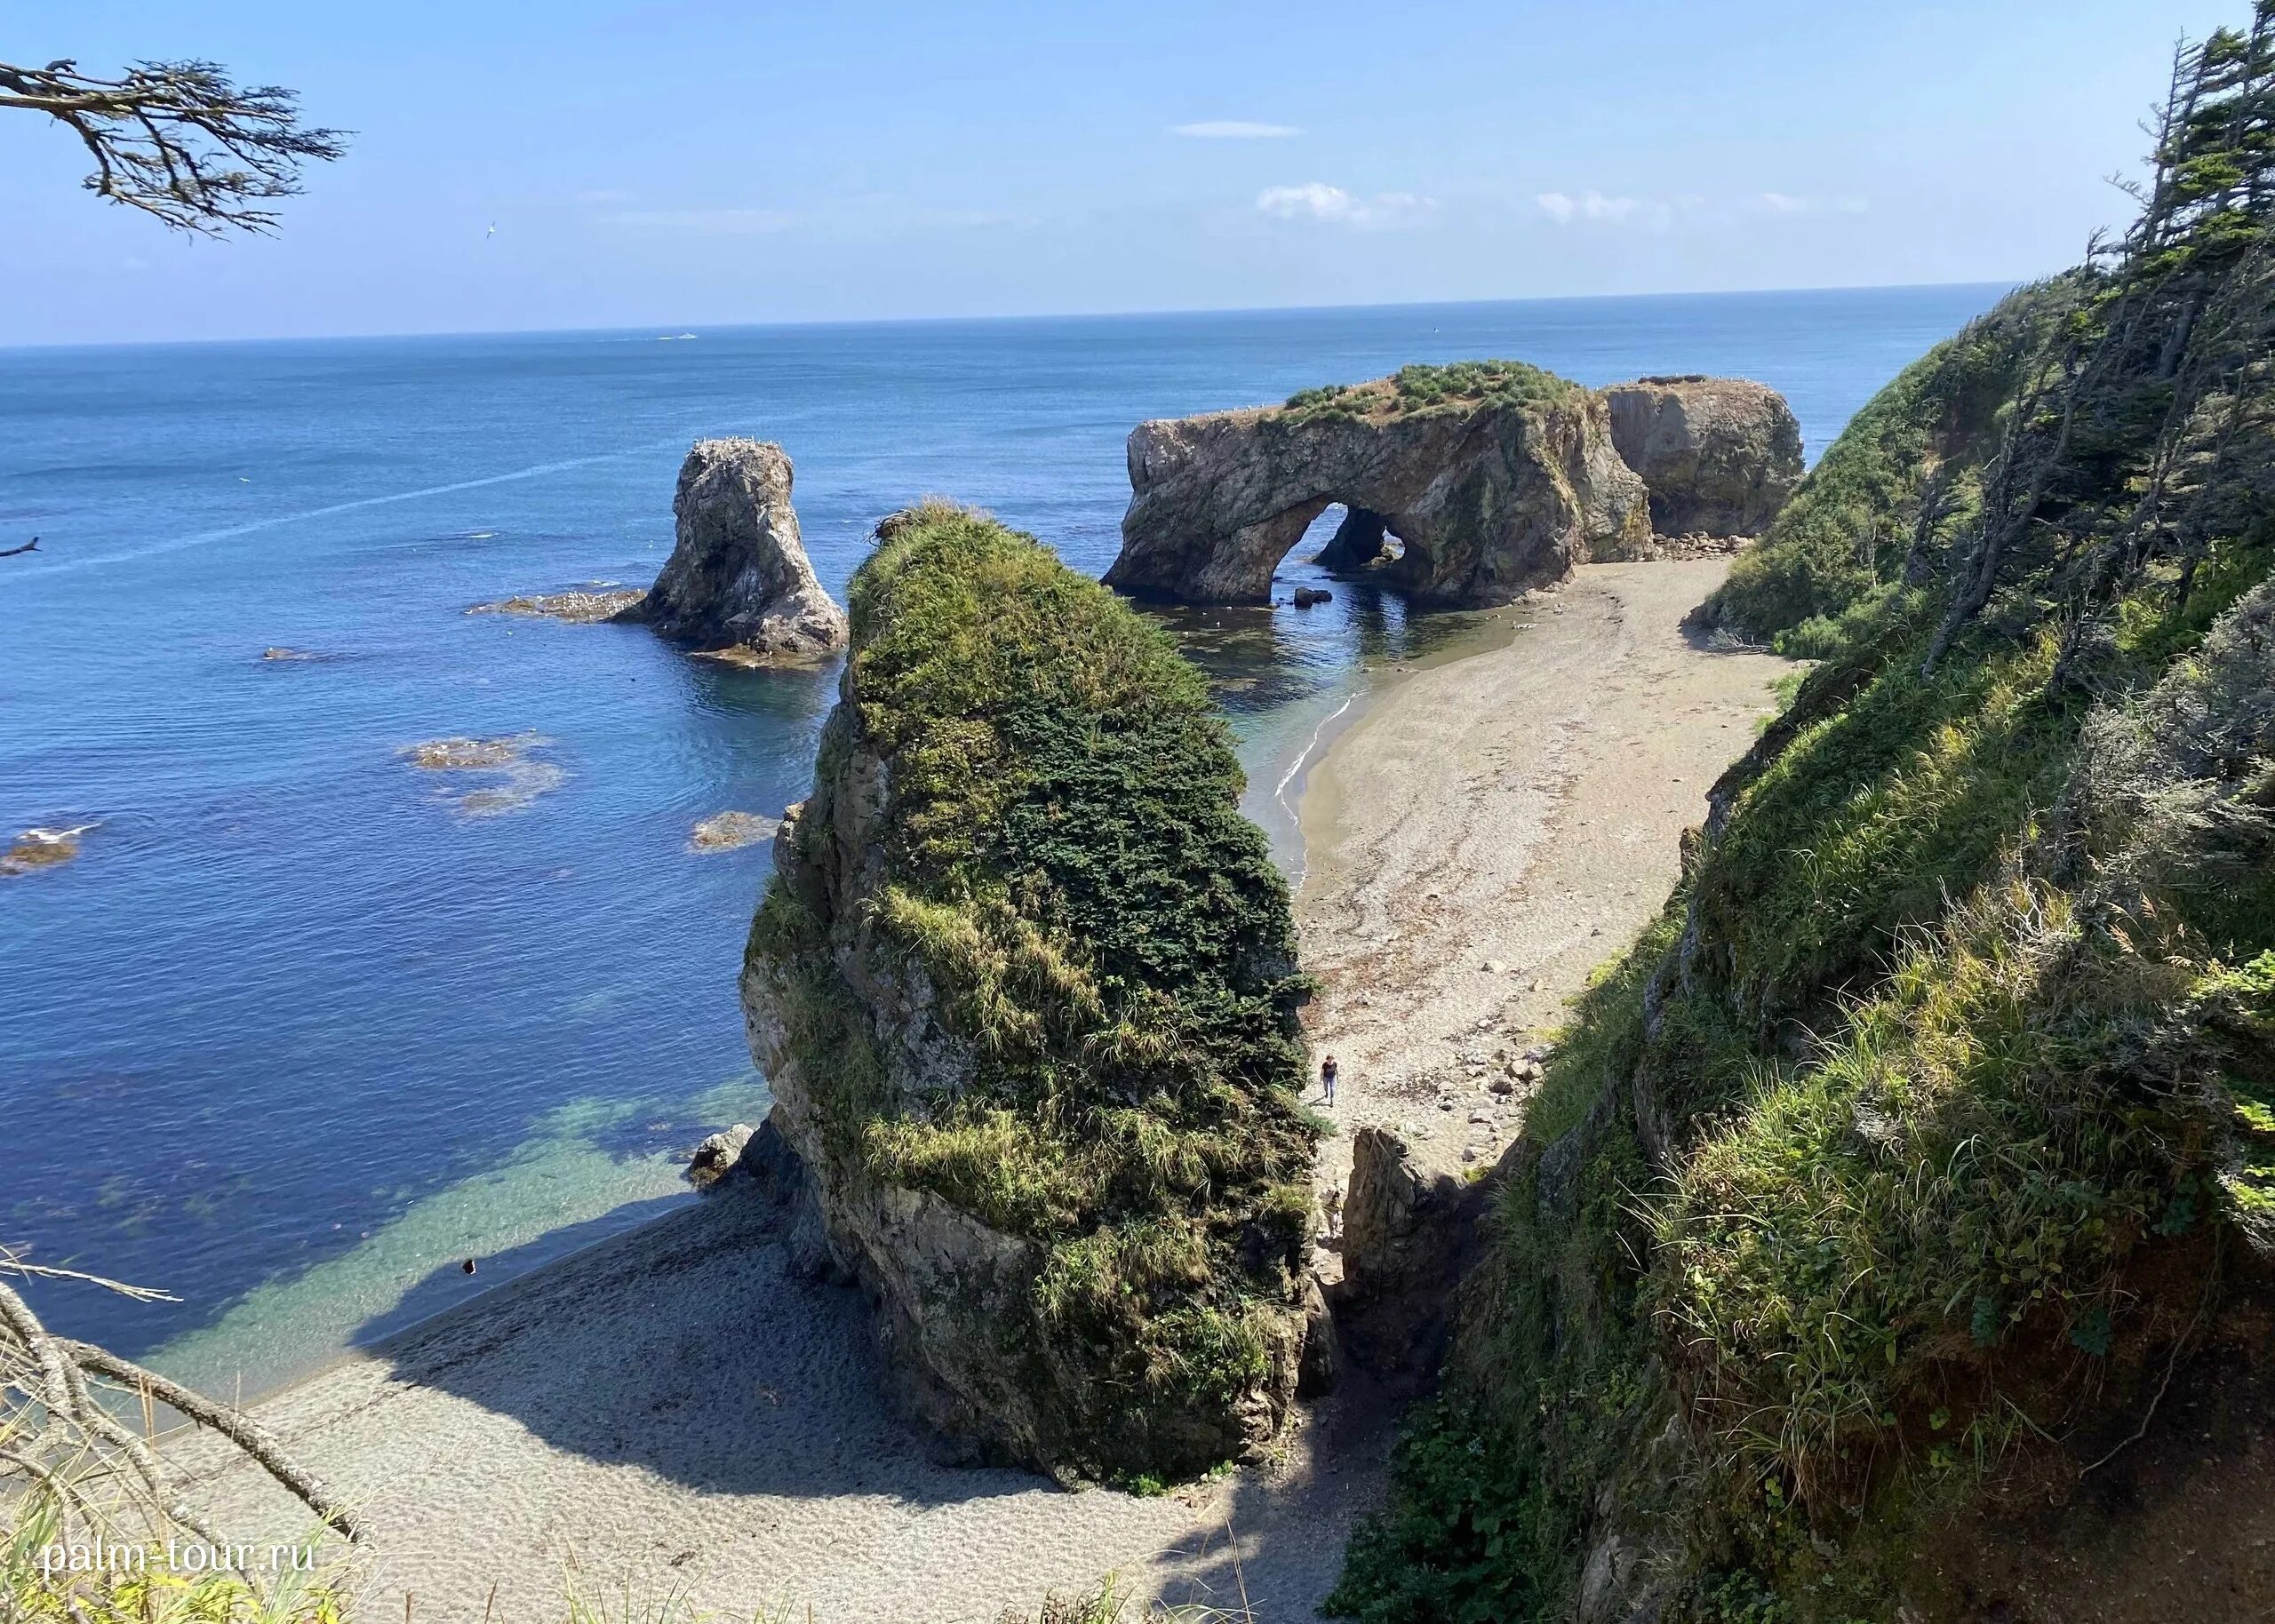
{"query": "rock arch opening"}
pixel 1359 538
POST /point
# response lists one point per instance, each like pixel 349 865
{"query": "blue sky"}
pixel 689 161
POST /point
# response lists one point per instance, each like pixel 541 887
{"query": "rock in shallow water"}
pixel 726 830
pixel 718 1155
pixel 42 848
pixel 517 777
pixel 583 608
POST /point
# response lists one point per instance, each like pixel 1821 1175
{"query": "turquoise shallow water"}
pixel 298 1030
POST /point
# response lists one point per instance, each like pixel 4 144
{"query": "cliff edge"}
pixel 1893 1235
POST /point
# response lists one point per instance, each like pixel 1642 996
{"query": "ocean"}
pixel 305 1025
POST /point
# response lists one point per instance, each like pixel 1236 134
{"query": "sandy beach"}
pixel 674 1407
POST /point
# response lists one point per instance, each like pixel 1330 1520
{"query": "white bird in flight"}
pixel 492 231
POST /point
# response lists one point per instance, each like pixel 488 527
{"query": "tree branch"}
pixel 240 1429
pixel 180 140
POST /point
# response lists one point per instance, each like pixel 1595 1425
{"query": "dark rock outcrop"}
pixel 1408 1235
pixel 1720 455
pixel 1360 540
pixel 1496 477
pixel 737 581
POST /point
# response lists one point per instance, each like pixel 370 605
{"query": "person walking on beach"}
pixel 1327 1077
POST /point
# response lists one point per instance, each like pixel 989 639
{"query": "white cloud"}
pixel 705 222
pixel 1233 130
pixel 1563 208
pixel 1690 208
pixel 1786 202
pixel 1315 200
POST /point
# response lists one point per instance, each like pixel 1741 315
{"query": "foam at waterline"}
pixel 1277 750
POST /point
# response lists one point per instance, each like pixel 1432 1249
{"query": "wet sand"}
pixel 675 1408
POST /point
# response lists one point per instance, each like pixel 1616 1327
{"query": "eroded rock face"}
pixel 1409 1226
pixel 1720 455
pixel 1489 496
pixel 737 580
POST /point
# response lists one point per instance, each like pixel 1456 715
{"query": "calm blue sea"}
pixel 298 1030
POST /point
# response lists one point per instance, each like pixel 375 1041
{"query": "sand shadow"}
pixel 689 1348
pixel 1272 1545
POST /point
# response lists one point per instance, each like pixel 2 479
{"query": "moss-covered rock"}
pixel 1026 987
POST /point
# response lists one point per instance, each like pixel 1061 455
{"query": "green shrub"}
pixel 1465 386
pixel 1903 478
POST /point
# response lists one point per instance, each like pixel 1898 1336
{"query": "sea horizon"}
pixel 649 330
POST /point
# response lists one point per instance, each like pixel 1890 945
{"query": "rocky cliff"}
pixel 1893 1237
pixel 1720 455
pixel 737 581
pixel 1494 475
pixel 1025 987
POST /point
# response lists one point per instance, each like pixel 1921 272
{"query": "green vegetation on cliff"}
pixel 1461 385
pixel 1928 1131
pixel 1093 979
pixel 1889 494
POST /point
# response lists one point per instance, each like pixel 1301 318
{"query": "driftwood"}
pixel 58 1434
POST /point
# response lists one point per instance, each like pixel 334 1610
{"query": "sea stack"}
pixel 1494 475
pixel 1025 988
pixel 1720 455
pixel 738 583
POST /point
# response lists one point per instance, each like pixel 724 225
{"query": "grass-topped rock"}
pixel 1464 386
pixel 1026 987
pixel 1494 474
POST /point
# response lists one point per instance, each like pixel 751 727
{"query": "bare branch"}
pixel 240 1429
pixel 180 140
pixel 61 1432
pixel 12 1263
